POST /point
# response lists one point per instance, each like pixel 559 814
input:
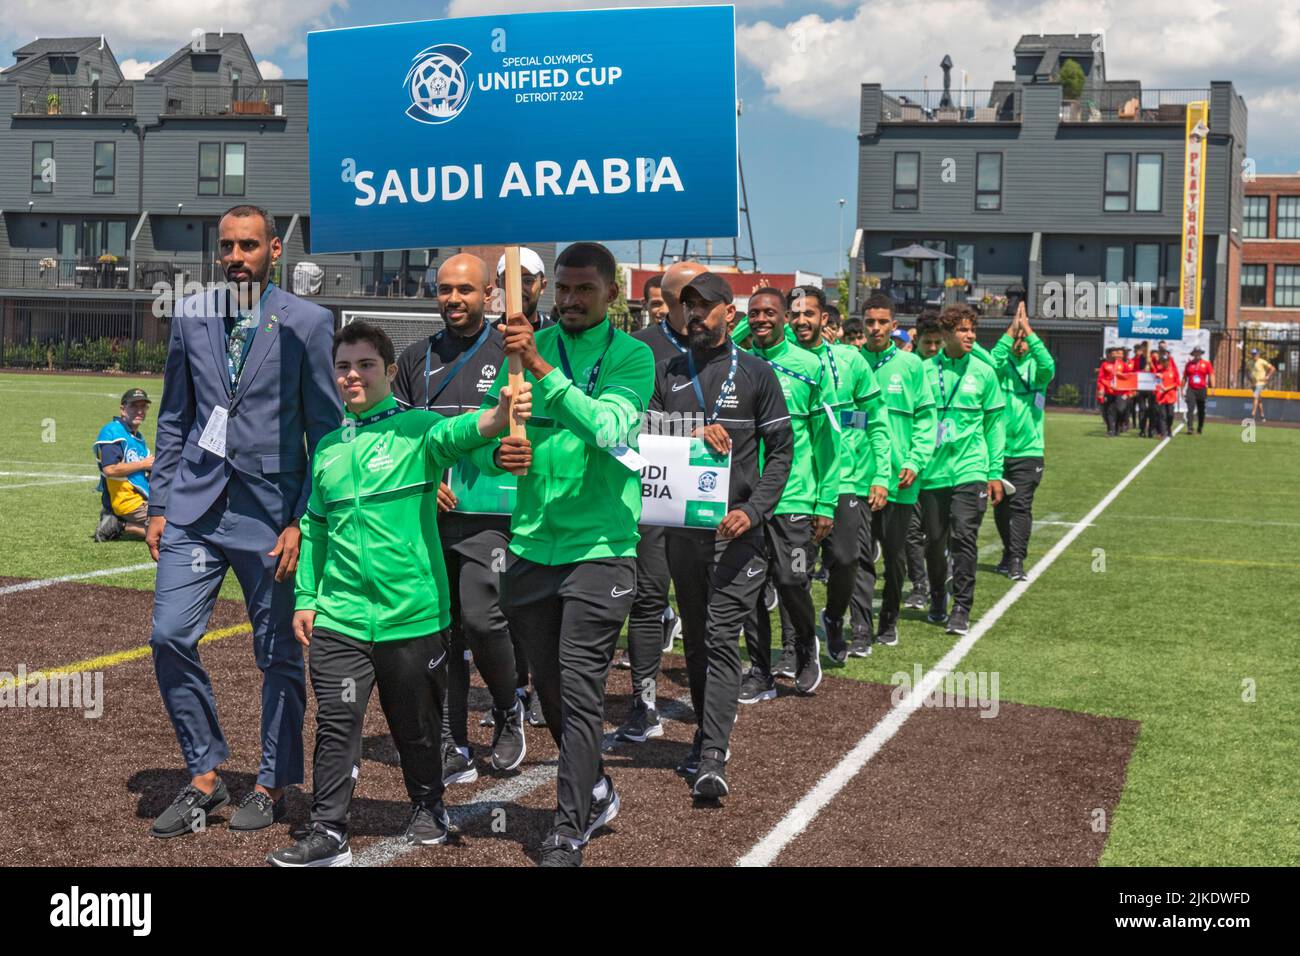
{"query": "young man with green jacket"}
pixel 905 386
pixel 854 399
pixel 805 513
pixel 571 572
pixel 966 469
pixel 371 596
pixel 1025 368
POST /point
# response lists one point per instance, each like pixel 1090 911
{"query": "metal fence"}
pixel 53 333
pixel 958 106
pixel 261 99
pixel 50 100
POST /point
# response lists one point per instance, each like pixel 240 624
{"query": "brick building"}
pixel 1270 229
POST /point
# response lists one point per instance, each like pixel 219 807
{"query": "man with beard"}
pixel 248 391
pixel 652 626
pixel 449 373
pixel 733 402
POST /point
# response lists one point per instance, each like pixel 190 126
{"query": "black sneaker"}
pixel 189 812
pixel 810 670
pixel 560 850
pixel 508 743
pixel 959 621
pixel 534 708
pixel 672 629
pixel 642 723
pixel 770 597
pixel 785 664
pixel 690 764
pixel 1016 570
pixel 110 527
pixel 1004 566
pixel 836 649
pixel 917 600
pixel 711 779
pixel 456 767
pixel 603 810
pixel 488 720
pixel 429 826
pixel 257 811
pixel 756 687
pixel 821 574
pixel 623 662
pixel 861 647
pixel 938 613
pixel 320 847
pixel 888 634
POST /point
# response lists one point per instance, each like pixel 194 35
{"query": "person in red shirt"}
pixel 1166 393
pixel 1129 418
pixel 1198 376
pixel 1113 402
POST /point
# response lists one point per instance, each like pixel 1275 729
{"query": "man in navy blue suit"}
pixel 248 391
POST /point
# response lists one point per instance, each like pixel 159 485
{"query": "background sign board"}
pixel 1151 322
pixel 1181 350
pixel 537 127
pixel 1196 143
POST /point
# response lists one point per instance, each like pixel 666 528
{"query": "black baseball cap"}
pixel 711 287
pixel 1198 351
pixel 135 395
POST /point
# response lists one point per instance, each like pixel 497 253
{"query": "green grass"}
pixel 1200 564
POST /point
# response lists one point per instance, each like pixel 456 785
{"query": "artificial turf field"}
pixel 1161 691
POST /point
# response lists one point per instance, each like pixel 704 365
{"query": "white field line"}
pixel 46 474
pixel 4 462
pixel 766 850
pixel 388 849
pixel 1192 519
pixel 44 484
pixel 49 582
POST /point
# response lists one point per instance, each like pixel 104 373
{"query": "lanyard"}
pixel 1025 381
pixel 722 392
pixel 455 367
pixel 595 369
pixel 885 361
pixel 943 396
pixel 835 372
pixel 792 373
pixel 668 334
pixel 371 419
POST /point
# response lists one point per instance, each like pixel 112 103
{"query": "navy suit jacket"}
pixel 285 404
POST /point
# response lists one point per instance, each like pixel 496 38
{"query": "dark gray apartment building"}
pixel 1024 186
pixel 109 185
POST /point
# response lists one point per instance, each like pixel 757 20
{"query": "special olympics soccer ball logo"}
pixel 437 85
pixel 708 481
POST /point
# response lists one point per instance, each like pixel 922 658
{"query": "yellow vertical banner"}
pixel 1194 167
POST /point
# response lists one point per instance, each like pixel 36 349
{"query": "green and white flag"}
pixel 684 483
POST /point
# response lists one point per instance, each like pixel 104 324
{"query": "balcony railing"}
pixel 93 100
pixel 264 99
pixel 1131 105
pixel 968 106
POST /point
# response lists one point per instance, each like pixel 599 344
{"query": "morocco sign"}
pixel 529 127
pixel 1193 211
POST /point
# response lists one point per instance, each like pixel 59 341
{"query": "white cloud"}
pixel 137 29
pixel 812 66
pixel 270 71
pixel 133 69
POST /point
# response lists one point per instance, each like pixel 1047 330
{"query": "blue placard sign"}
pixel 537 127
pixel 1150 322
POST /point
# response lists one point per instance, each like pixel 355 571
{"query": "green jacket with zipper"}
pixel 371 563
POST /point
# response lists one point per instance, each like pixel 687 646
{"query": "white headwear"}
pixel 529 261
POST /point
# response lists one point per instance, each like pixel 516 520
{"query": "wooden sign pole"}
pixel 514 304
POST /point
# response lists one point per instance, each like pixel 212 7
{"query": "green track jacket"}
pixel 814 483
pixel 906 389
pixel 371 561
pixel 578 502
pixel 854 396
pixel 1024 384
pixel 969 433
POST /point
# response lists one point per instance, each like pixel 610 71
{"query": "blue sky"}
pixel 800 66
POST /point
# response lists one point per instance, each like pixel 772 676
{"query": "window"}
pixel 1288 217
pixel 1117 183
pixel 105 166
pixel 233 178
pixel 988 181
pixel 966 261
pixel 1146 269
pixel 1253 281
pixel 907 180
pixel 115 238
pixel 43 167
pixel 209 169
pixel 1254 217
pixel 1114 275
pixel 1147 197
pixel 1286 284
